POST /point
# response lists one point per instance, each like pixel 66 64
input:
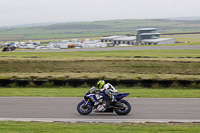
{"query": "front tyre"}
pixel 84 109
pixel 125 110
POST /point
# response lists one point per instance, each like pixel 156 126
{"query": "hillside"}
pixel 98 28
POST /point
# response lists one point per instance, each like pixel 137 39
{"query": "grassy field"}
pixel 33 127
pixel 99 28
pixel 95 64
pixel 96 68
pixel 120 53
pixel 184 38
pixel 99 66
pixel 79 92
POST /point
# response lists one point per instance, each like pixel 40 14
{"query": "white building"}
pixel 116 40
pixel 158 41
pixel 129 40
pixel 109 38
pixel 149 36
pixel 145 36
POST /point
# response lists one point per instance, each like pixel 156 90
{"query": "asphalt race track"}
pixel 119 48
pixel 64 109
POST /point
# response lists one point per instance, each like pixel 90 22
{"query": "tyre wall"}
pixel 92 82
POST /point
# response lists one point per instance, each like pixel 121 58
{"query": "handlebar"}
pixel 94 90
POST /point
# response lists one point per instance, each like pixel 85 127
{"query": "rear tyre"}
pixel 84 109
pixel 125 110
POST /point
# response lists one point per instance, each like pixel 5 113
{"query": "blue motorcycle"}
pixel 92 96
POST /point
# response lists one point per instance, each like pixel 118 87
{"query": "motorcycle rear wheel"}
pixel 123 111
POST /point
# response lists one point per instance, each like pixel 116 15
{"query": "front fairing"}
pixel 90 96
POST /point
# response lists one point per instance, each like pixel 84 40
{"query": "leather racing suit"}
pixel 110 91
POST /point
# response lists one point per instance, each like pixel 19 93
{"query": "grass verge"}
pixel 119 53
pixel 94 65
pixel 79 92
pixel 33 127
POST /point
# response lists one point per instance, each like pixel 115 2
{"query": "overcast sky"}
pixel 15 12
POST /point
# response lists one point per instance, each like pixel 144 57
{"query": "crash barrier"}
pixel 92 82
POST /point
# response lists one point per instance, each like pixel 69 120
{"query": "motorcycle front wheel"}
pixel 84 109
pixel 125 110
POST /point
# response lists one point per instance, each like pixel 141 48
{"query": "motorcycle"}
pixel 92 96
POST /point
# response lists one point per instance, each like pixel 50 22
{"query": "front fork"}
pixel 86 102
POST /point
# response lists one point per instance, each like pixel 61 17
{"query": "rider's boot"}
pixel 113 101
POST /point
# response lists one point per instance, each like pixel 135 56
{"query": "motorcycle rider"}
pixel 108 89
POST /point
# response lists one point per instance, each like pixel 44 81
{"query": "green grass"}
pixel 96 64
pixel 120 53
pixel 33 127
pixel 184 37
pixel 79 92
pixel 101 28
pixel 101 66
